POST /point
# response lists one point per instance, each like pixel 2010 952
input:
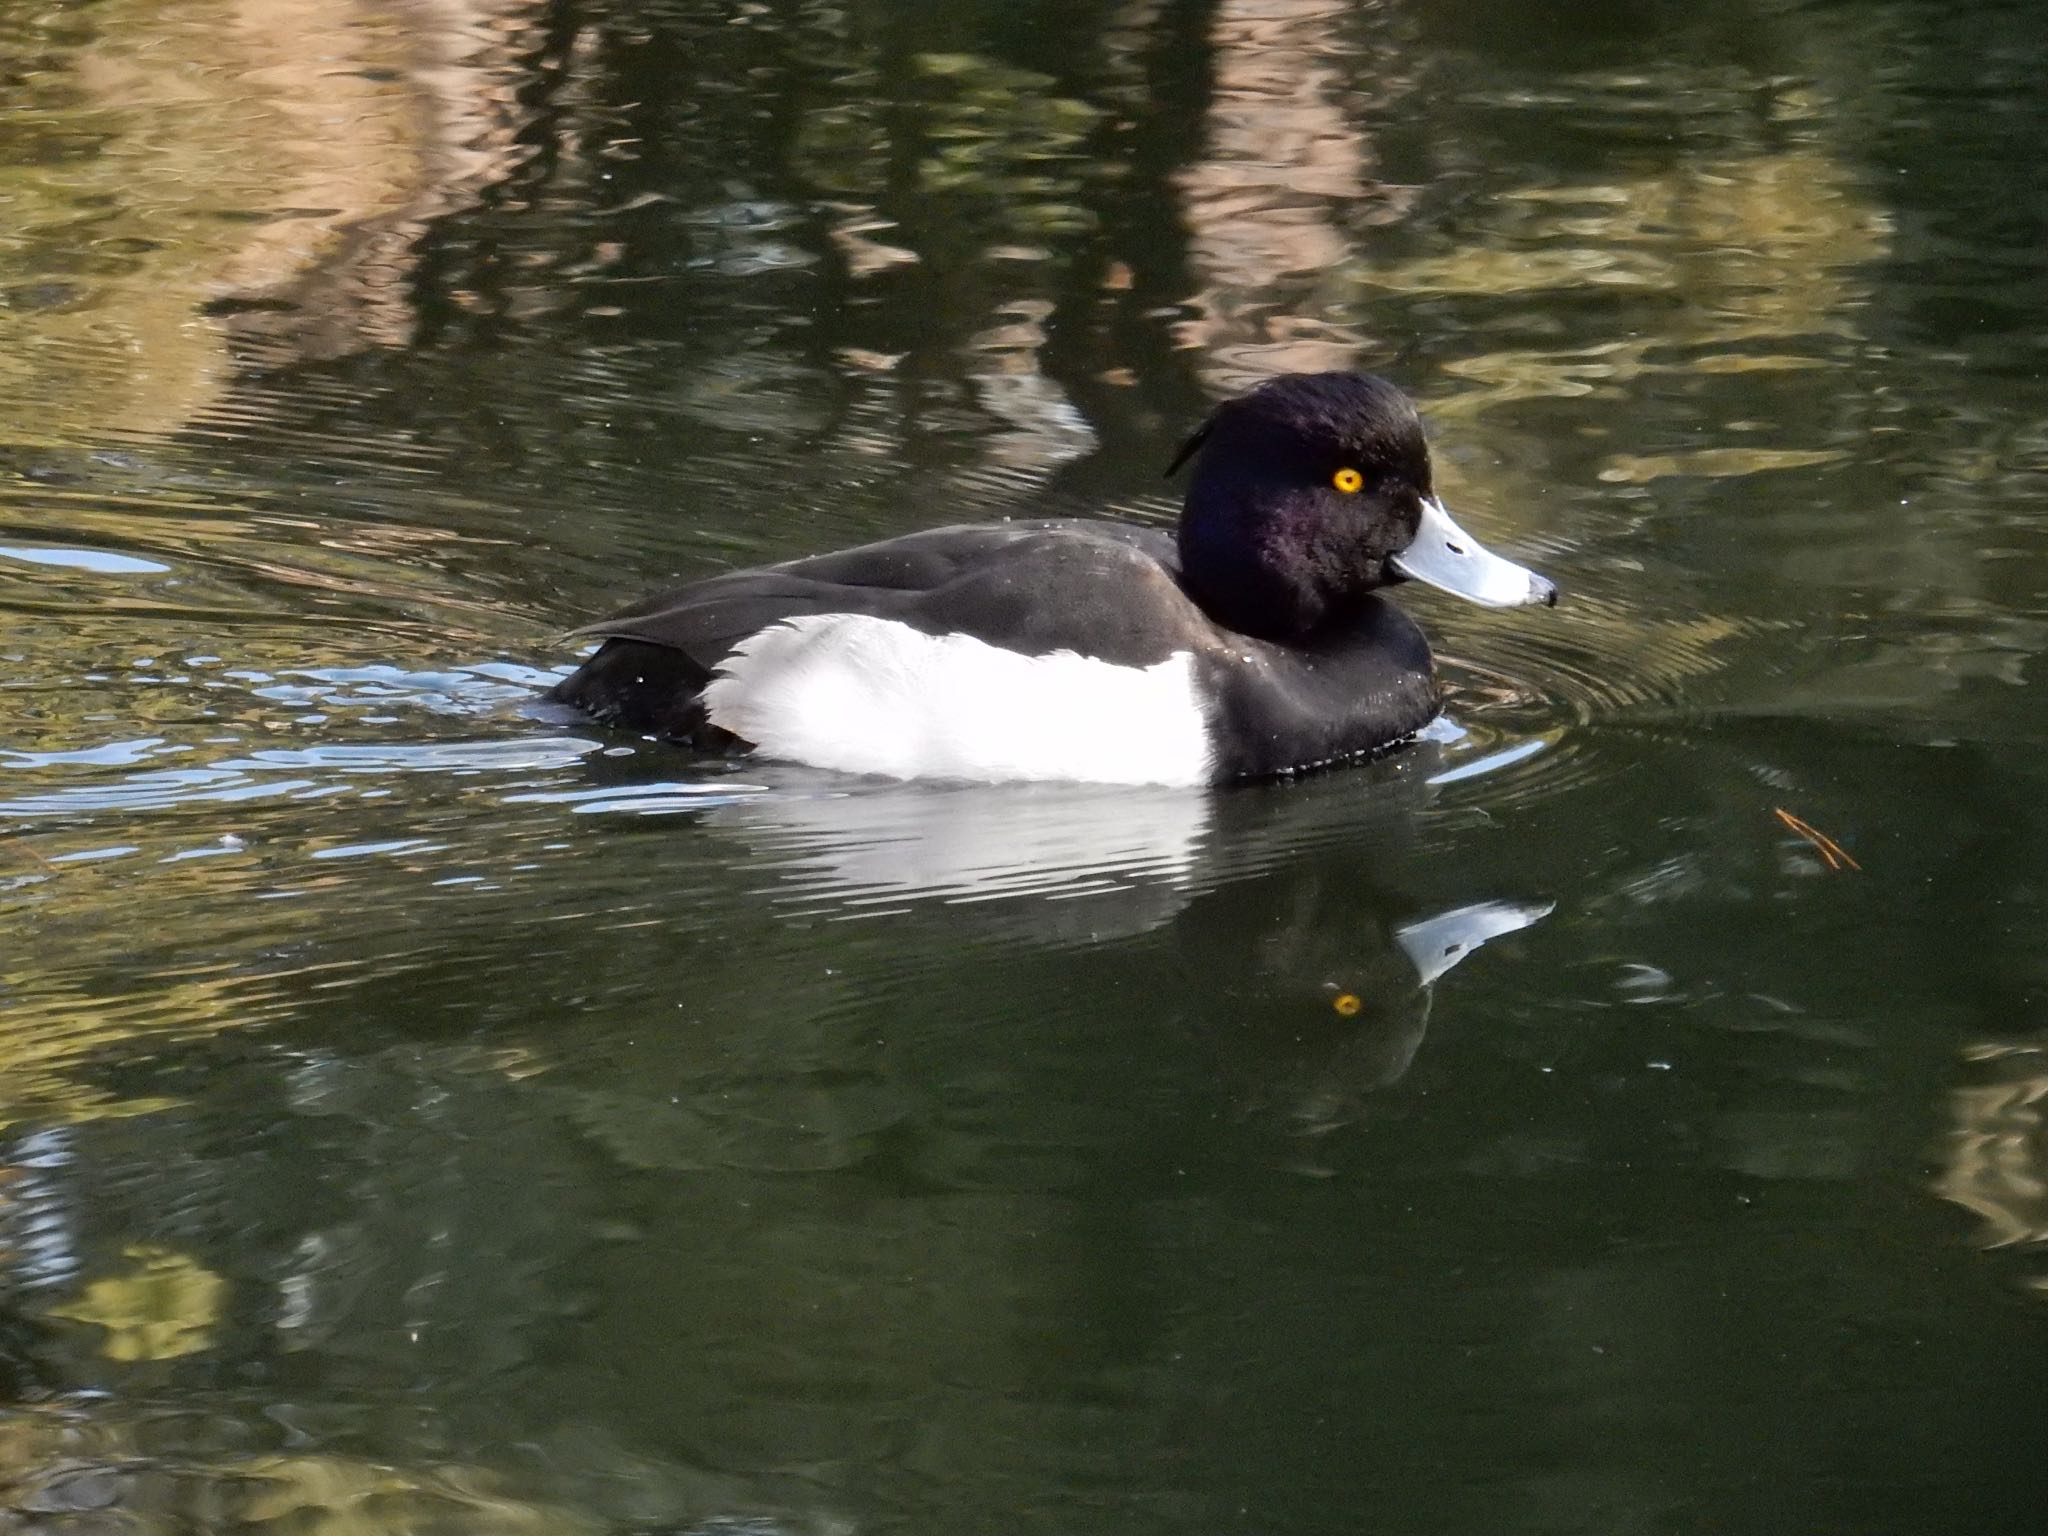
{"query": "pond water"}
pixel 420 1111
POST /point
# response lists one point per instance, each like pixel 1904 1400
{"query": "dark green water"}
pixel 420 1114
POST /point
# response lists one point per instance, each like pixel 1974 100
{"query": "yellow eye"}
pixel 1347 1004
pixel 1347 480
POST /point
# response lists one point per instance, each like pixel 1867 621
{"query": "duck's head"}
pixel 1313 490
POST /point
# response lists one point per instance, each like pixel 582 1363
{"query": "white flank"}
pixel 869 695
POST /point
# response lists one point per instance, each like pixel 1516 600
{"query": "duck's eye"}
pixel 1347 480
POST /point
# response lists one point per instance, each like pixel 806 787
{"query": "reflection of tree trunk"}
pixel 374 150
pixel 1105 335
pixel 1259 206
pixel 271 162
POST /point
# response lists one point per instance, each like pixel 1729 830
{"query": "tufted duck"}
pixel 1253 644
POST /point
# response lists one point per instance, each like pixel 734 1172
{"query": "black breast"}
pixel 1355 690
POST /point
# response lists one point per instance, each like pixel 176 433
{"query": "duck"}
pixel 1253 641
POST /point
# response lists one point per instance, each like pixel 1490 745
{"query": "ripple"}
pixel 1714 463
pixel 1521 716
pixel 297 773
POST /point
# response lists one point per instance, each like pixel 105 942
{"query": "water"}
pixel 417 1108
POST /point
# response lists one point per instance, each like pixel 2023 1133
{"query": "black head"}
pixel 1310 492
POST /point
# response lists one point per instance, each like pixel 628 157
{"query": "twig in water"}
pixel 1831 852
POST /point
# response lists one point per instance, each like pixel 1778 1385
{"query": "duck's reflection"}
pixel 1056 861
pixel 1289 929
pixel 1308 1042
pixel 1130 857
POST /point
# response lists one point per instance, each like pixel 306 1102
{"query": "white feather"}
pixel 868 695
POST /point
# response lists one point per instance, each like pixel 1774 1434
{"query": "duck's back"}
pixel 1034 650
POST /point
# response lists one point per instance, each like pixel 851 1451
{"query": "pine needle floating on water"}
pixel 1831 852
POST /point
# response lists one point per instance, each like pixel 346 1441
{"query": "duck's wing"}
pixel 1032 586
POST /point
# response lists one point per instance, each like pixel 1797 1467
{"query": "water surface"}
pixel 418 1107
